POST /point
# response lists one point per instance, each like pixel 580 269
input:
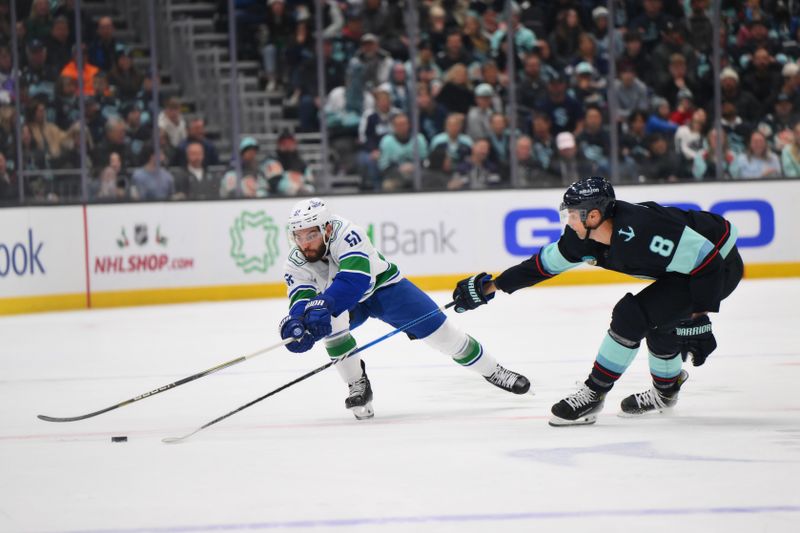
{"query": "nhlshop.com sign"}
pixel 22 258
pixel 137 260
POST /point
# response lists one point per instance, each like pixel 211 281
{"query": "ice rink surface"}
pixel 446 451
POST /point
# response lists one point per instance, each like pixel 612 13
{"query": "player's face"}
pixel 573 220
pixel 311 243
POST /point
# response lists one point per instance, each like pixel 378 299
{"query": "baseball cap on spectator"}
pixel 685 93
pixel 599 11
pixel 122 50
pixel 484 89
pixel 657 102
pixel 584 67
pixel 34 45
pixel 285 134
pixel 790 69
pixel 384 88
pixel 247 143
pixel 728 72
pixel 369 38
pixel 565 140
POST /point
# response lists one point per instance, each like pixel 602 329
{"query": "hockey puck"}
pixel 119 439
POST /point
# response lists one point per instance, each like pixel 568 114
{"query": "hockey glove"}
pixel 292 327
pixel 469 292
pixel 317 316
pixel 696 339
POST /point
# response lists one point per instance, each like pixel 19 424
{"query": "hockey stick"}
pixel 166 387
pixel 174 440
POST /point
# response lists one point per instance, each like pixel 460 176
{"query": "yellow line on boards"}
pixel 168 295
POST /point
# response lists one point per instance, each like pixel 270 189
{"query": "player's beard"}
pixel 315 254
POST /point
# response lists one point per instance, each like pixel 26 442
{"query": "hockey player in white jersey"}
pixel 336 279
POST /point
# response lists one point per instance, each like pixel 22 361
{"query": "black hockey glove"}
pixel 696 339
pixel 469 292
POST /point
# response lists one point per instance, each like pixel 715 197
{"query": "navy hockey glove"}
pixel 469 292
pixel 292 327
pixel 317 316
pixel 696 339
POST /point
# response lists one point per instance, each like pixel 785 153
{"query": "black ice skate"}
pixel 578 409
pixel 359 401
pixel 509 380
pixel 652 401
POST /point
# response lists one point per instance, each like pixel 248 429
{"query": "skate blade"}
pixel 363 412
pixel 582 421
pixel 667 411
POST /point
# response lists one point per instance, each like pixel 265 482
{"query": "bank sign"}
pixel 526 231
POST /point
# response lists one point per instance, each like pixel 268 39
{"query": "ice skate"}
pixel 359 401
pixel 579 408
pixel 509 380
pixel 652 400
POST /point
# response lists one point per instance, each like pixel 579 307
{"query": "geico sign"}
pixel 541 226
pixel 21 258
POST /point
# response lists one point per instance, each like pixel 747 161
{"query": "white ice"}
pixel 446 451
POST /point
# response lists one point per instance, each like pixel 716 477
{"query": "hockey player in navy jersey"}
pixel 692 257
pixel 336 279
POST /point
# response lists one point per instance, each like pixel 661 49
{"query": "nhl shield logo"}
pixel 140 234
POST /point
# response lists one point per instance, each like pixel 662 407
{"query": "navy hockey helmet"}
pixel 590 193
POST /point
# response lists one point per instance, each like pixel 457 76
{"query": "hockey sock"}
pixel 339 346
pixel 613 358
pixel 464 350
pixel 665 371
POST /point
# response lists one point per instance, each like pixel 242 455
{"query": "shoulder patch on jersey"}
pixel 297 258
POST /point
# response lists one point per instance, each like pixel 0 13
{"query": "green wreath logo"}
pixel 268 236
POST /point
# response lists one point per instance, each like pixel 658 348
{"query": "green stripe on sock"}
pixel 341 347
pixel 470 354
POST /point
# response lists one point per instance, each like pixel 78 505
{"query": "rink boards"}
pixel 129 254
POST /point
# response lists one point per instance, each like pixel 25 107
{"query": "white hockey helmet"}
pixel 309 213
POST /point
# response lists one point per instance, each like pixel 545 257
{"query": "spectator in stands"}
pixel 476 41
pixel 108 186
pixel 399 87
pixel 105 96
pixel 374 125
pixel 593 141
pixel 741 99
pixel 564 38
pixel 37 77
pixel 632 93
pixel 67 10
pixel 700 29
pixel 790 156
pixel 672 43
pixel 58 44
pixel 565 112
pixel 609 42
pixel 753 35
pixel 635 55
pixel 790 82
pixel 544 148
pixel 37 25
pixel 428 72
pixel 478 171
pixel 46 136
pixel 196 132
pixel 585 89
pixel 704 167
pixel 762 79
pixel 6 81
pixel 34 155
pixel 304 85
pixel 777 126
pixel 103 50
pixel 454 52
pixel 458 144
pixel 397 161
pixel 530 172
pixel 297 177
pixel 8 190
pixel 533 85
pixel 253 183
pixel 479 117
pixel 499 138
pixel 658 121
pixel 587 53
pixel 757 161
pixel 432 114
pixel 633 146
pixel 151 183
pixel 89 70
pixel 685 108
pixel 385 19
pixel 124 76
pixel 172 122
pixel 456 94
pixel 287 153
pixel 570 161
pixel 114 141
pixel 437 28
pixel 5 21
pixel 737 130
pixel 677 80
pixel 662 163
pixel 370 63
pixel 192 179
pixel 690 136
pixel 279 30
pixel 137 134
pixel 650 24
